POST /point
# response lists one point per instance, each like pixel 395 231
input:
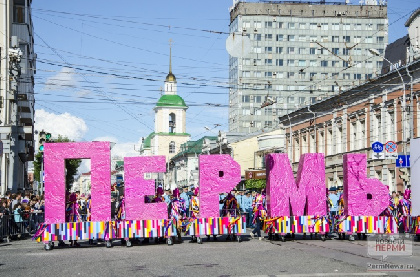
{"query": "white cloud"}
pixel 121 150
pixel 64 124
pixel 65 79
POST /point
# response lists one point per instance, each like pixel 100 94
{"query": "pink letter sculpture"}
pixel 362 195
pixel 218 174
pixel 136 187
pixel 55 155
pixel 283 191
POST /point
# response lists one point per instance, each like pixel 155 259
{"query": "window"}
pixel 268 61
pixel 257 111
pixel 268 124
pixel 279 50
pixel 380 27
pixel 358 27
pixel 312 26
pixel 257 99
pixel 313 100
pixel 246 62
pixel 291 62
pixel 302 63
pixel 357 76
pixel 324 75
pixel 290 50
pixel 335 38
pixel 369 26
pixel 324 63
pixel 346 26
pixel 346 51
pixel 257 37
pixel 280 25
pixel 302 38
pixel 172 123
pixel 368 76
pixel 246 24
pixel 18 14
pixel 313 63
pixel 279 62
pixel 312 75
pixel 290 38
pixel 324 38
pixel 268 49
pixel 346 76
pixel 312 38
pixel 172 147
pixel 268 111
pixel 335 26
pixel 291 100
pixel 246 111
pixel 357 51
pixel 345 64
pixel 324 26
pixel 246 73
pixel 379 64
pixel 302 100
pixel 257 50
pixel 335 63
pixel 357 39
pixel 245 98
pixel 268 36
pixel 257 74
pixel 379 39
pixel 336 51
pixel 291 25
pixel 257 24
pixel 302 75
pixel 302 51
pixel 268 24
pixel 279 37
pixel 334 76
pixel 268 74
pixel 302 25
pixel 291 75
pixel 346 38
pixel 312 51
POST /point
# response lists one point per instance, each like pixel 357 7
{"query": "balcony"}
pixel 23 31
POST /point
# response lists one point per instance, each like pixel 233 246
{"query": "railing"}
pixel 10 229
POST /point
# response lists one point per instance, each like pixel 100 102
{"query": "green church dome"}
pixel 169 100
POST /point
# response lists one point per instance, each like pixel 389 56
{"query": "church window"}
pixel 172 147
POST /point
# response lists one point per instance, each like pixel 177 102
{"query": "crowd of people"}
pixel 20 213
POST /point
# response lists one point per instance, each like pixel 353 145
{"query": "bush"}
pixel 255 184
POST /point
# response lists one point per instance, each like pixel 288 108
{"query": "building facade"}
pixel 17 68
pixel 384 109
pixel 300 53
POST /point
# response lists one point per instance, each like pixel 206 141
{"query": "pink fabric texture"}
pixel 55 155
pixel 284 191
pixel 362 195
pixel 218 174
pixel 136 188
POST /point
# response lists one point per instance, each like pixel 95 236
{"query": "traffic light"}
pixel 42 139
pixel 48 137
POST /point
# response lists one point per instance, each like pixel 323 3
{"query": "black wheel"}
pixel 48 246
pixel 128 243
pixel 52 245
pixel 283 239
pixel 323 237
pixel 199 240
pixel 239 238
pixel 108 244
pixel 170 241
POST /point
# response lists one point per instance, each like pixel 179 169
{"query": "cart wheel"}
pixel 283 239
pixel 48 246
pixel 199 240
pixel 108 244
pixel 239 238
pixel 128 243
pixel 169 241
pixel 323 237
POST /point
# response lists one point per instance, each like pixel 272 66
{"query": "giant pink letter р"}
pixel 136 188
pixel 283 191
pixel 362 195
pixel 55 155
pixel 218 174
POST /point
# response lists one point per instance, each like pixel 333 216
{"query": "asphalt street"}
pixel 251 257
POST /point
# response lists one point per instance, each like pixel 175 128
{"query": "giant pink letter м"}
pixel 362 195
pixel 55 155
pixel 284 192
pixel 136 188
pixel 218 174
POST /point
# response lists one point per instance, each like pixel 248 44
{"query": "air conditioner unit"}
pixel 244 29
pixel 251 97
pixel 274 19
pixel 255 30
pixel 319 98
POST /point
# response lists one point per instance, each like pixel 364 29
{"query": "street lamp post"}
pixel 403 106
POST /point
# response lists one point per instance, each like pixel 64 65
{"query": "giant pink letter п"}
pixel 55 155
pixel 283 191
pixel 218 174
pixel 362 195
pixel 136 188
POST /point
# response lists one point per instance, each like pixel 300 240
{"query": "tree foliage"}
pixel 257 184
pixel 71 164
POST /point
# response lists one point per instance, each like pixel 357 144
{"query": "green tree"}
pixel 255 184
pixel 71 164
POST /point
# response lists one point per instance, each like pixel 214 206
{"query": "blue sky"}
pixel 101 64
